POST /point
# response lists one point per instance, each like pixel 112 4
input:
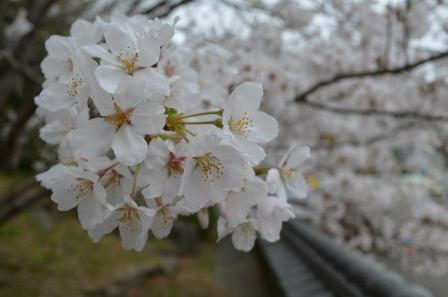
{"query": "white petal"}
pixel 100 52
pixel 58 46
pixel 156 85
pixel 269 228
pixel 162 223
pixel 244 240
pixel 119 39
pixel 54 67
pixel 297 156
pixel 102 100
pixel 53 132
pixel 148 117
pixel 110 77
pixel 90 212
pixel 158 154
pixel 64 198
pixel 246 97
pixel 197 192
pixel 55 98
pixel 265 127
pixel 129 235
pixel 106 227
pixel 297 188
pixel 253 153
pixel 92 138
pixel 129 146
pixel 100 194
pixel 148 50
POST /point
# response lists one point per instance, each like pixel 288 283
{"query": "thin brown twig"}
pixel 363 74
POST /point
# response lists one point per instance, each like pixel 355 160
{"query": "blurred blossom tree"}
pixel 360 82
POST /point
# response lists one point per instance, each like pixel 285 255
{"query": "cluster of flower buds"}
pixel 137 149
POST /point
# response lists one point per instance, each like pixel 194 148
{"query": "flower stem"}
pixel 216 112
pixel 217 123
pixel 134 180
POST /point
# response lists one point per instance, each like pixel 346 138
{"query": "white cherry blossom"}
pixel 122 128
pixel 213 170
pixel 133 223
pixel 245 125
pixel 164 169
pixel 73 187
pixel 126 62
pixel 289 169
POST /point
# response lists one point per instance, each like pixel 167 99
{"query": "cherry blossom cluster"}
pixel 138 147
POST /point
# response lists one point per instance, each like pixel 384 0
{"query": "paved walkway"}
pixel 239 274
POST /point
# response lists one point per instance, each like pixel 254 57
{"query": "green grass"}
pixel 48 254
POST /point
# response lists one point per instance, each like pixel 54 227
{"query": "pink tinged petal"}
pixel 265 127
pixel 107 226
pixel 148 50
pixel 92 138
pixel 129 146
pixel 297 188
pixel 244 238
pixel 55 98
pixel 149 117
pixel 246 97
pixel 97 51
pixel 90 212
pixel 111 77
pixel 203 218
pixel 120 40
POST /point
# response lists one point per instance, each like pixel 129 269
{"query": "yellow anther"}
pixel 209 164
pixel 129 217
pixel 120 117
pixel 241 126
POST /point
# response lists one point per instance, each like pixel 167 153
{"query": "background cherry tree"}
pixel 361 82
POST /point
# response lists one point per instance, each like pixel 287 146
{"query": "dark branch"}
pixel 391 71
pixel 375 112
pixel 164 8
pixel 22 197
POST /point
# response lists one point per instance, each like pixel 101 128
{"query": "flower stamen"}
pixel 209 163
pixel 241 126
